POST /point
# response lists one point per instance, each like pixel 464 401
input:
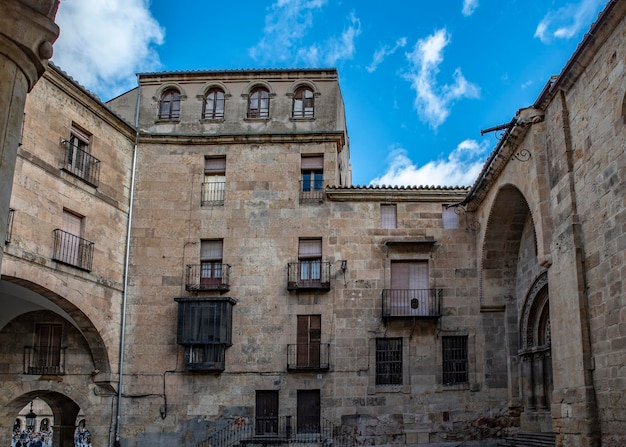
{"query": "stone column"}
pixel 528 383
pixel 27 31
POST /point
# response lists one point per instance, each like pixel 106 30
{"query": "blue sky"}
pixel 419 78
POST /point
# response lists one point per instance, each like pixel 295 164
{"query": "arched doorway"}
pixel 57 409
pixel 536 358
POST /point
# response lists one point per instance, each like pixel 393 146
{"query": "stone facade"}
pixel 263 287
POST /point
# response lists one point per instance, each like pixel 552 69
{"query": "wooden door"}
pixel 308 411
pixel 267 412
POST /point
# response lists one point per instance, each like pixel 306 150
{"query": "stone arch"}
pixel 58 304
pixel 258 83
pixel 501 243
pixel 211 85
pixel 65 410
pixel 168 86
pixel 509 218
pixel 303 83
pixel 536 357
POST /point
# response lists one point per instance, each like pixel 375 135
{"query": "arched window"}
pixel 214 104
pixel 169 106
pixel 259 103
pixel 303 101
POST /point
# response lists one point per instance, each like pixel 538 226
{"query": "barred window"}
pixel 455 362
pixel 388 361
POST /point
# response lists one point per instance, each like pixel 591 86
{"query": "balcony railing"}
pixel 7 236
pixel 311 191
pixel 308 357
pixel 213 193
pixel 308 275
pixel 273 430
pixel 208 276
pixel 72 250
pixel 418 303
pixel 44 360
pixel 82 165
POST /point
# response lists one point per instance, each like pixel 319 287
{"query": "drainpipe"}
pixel 120 384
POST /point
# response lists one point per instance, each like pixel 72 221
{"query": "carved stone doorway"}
pixel 536 359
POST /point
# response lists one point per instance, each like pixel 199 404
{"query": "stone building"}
pixel 258 294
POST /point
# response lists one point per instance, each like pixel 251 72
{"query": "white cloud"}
pixel 469 6
pixel 461 168
pixel 287 24
pixel 433 102
pixel 568 21
pixel 383 52
pixel 103 43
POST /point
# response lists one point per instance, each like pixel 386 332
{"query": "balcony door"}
pixel 48 348
pixel 308 339
pixel 409 288
pixel 308 411
pixel 211 263
pixel 267 413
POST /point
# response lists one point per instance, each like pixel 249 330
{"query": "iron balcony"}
pixel 411 303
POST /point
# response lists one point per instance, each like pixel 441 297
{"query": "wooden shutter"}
pixel 311 163
pixel 310 248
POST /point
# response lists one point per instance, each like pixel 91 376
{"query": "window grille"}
pixel 455 360
pixel 388 361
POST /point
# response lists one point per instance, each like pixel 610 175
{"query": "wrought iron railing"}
pixel 308 357
pixel 311 191
pixel 7 236
pixel 45 360
pixel 213 193
pixel 246 431
pixel 72 250
pixel 311 275
pixel 420 303
pixel 82 164
pixel 208 276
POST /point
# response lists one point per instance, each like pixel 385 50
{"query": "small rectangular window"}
pixel 455 363
pixel 388 361
pixel 388 216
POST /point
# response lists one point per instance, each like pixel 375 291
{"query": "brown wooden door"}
pixel 308 339
pixel 308 411
pixel 267 412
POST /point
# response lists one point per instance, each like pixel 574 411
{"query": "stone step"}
pixel 526 439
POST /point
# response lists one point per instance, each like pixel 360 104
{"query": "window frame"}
pixel 172 103
pixel 259 95
pixel 306 103
pixel 214 113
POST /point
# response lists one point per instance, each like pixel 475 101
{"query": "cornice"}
pixel 336 137
pixel 396 194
